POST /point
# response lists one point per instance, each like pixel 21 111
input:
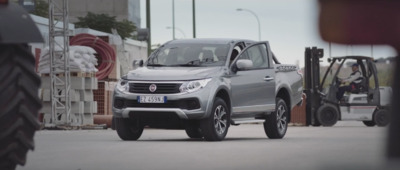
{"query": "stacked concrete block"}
pixel 78 83
pixel 81 95
pixel 91 83
pixel 74 95
pixel 45 95
pixel 86 95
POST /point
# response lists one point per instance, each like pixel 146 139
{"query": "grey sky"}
pixel 289 25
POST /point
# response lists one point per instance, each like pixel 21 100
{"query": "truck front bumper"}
pixel 184 105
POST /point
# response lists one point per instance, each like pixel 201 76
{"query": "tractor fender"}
pixel 17 26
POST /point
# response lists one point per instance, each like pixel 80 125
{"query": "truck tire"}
pixel 194 132
pixel 381 117
pixel 19 103
pixel 192 128
pixel 128 129
pixel 327 114
pixel 215 127
pixel 369 123
pixel 275 125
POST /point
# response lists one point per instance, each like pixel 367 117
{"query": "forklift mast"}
pixel 312 82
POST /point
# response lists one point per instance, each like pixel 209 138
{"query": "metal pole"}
pixel 51 55
pixel 67 70
pixel 194 18
pixel 372 50
pixel 393 142
pixel 148 26
pixel 330 49
pixel 173 19
pixel 258 20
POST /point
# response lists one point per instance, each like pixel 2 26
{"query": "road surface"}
pixel 348 144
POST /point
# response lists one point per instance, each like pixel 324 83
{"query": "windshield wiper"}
pixel 192 63
pixel 187 65
pixel 155 65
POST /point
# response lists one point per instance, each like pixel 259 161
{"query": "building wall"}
pixel 122 9
pixel 134 12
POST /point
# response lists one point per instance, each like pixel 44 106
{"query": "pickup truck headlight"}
pixel 192 86
pixel 123 85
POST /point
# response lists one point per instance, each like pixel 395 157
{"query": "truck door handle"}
pixel 268 78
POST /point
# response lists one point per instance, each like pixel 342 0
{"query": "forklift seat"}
pixel 360 87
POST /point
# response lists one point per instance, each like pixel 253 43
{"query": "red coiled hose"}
pixel 106 54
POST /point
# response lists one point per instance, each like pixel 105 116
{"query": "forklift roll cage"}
pixel 367 69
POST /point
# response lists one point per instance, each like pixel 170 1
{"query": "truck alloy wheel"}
pixel 220 121
pixel 275 126
pixel 215 127
pixel 327 114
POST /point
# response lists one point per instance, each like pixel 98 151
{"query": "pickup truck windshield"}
pixel 190 55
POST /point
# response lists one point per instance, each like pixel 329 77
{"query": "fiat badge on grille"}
pixel 153 88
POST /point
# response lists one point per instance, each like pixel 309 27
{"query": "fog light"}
pixel 193 104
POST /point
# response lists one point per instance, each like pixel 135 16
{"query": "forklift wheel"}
pixel 381 117
pixel 369 123
pixel 327 114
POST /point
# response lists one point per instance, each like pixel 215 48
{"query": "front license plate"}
pixel 152 99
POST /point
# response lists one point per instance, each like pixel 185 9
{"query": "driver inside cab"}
pixel 354 79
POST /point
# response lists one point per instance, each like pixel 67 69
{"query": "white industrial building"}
pixel 121 9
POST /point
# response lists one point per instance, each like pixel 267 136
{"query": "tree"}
pixel 41 9
pixel 105 22
pixel 125 28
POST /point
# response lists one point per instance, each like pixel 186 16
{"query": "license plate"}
pixel 152 99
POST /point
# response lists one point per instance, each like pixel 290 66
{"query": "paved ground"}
pixel 348 144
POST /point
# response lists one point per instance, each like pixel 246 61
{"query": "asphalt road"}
pixel 348 144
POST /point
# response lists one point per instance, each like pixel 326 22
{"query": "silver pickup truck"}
pixel 206 85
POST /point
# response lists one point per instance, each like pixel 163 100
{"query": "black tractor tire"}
pixel 215 127
pixel 276 124
pixel 328 114
pixel 193 130
pixel 382 117
pixel 369 123
pixel 128 129
pixel 19 104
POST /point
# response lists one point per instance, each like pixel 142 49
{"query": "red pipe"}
pixel 105 52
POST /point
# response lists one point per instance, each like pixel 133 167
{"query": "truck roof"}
pixel 209 40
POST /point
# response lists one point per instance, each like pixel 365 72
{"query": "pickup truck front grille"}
pixel 161 88
pixel 188 104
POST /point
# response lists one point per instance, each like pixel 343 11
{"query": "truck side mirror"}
pixel 137 63
pixel 243 64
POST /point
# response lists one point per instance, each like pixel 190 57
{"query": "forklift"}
pixel 368 102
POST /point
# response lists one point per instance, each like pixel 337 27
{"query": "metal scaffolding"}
pixel 59 64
